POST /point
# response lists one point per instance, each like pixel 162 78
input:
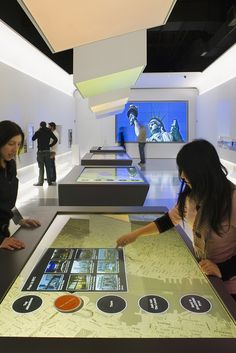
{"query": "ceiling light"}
pixel 68 24
pixel 21 55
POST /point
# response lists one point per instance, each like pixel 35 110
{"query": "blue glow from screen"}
pixel 169 117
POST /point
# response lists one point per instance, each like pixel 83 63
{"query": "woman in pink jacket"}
pixel 207 202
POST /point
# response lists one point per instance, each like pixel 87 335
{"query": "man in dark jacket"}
pixel 43 136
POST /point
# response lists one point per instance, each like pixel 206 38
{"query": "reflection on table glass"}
pixel 167 295
pixel 110 156
pixel 112 174
pixel 112 148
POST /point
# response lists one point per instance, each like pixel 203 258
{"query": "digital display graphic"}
pixel 76 270
pixel 115 175
pixel 167 295
pixel 165 121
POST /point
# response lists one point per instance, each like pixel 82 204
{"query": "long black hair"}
pixel 8 130
pixel 210 188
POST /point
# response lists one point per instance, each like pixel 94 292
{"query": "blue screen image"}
pixel 165 121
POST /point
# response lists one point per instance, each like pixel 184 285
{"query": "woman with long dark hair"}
pixel 207 202
pixel 11 142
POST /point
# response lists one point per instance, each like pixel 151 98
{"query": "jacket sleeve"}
pixel 168 220
pixel 164 223
pixel 35 136
pixel 54 138
pixel 228 268
pixel 16 216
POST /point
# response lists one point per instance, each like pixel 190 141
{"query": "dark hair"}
pixel 210 188
pixel 52 124
pixel 43 124
pixel 8 130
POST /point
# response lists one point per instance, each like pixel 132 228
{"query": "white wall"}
pixel 26 100
pixel 93 131
pixel 216 112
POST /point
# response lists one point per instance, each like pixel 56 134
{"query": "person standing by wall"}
pixel 43 136
pixel 11 142
pixel 141 144
pixel 53 152
pixel 122 138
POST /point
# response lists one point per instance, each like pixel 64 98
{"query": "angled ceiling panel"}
pixel 109 64
pixel 109 106
pixel 71 23
pixel 97 103
pixel 110 112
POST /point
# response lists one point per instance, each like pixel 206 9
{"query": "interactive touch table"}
pixel 107 149
pixel 148 296
pixel 103 186
pixel 120 158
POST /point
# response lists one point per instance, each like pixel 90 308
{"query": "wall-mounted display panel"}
pixel 103 186
pixel 227 142
pixel 165 121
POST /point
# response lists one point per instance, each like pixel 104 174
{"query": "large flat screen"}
pixel 165 121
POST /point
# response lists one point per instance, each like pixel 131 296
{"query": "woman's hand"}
pixel 29 223
pixel 210 268
pixel 126 239
pixel 12 244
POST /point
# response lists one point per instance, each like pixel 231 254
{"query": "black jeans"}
pixel 43 159
pixel 53 168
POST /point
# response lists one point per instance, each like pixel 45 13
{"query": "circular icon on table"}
pixel 68 303
pixel 153 304
pixel 195 303
pixel 27 304
pixel 111 304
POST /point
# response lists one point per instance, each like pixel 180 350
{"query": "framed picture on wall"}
pixel 165 121
pixel 30 134
pixel 70 138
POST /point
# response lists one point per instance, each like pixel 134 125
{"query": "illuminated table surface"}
pixel 119 158
pixel 106 149
pixel 161 268
pixel 102 186
pixel 110 175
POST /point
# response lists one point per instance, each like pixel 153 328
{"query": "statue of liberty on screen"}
pixel 156 126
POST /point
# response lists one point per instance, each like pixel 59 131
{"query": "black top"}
pixel 43 135
pixel 8 194
pixel 122 138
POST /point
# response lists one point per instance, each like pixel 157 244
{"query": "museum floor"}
pixel 160 173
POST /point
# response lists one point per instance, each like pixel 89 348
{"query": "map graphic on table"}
pixel 113 174
pixel 79 270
